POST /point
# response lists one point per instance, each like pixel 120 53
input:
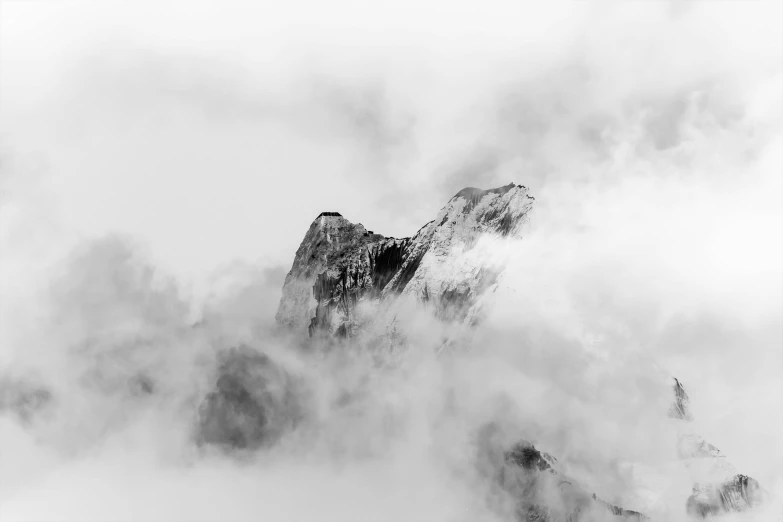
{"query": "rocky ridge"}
pixel 340 264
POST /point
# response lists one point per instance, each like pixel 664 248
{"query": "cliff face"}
pixel 340 264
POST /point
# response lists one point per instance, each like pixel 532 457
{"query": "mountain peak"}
pixel 340 263
pixel 473 192
pixel 474 195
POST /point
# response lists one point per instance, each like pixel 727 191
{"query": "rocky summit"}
pixel 340 264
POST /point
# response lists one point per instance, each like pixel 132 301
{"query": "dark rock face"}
pixel 327 254
pixel 339 264
pixel 524 455
pixel 254 402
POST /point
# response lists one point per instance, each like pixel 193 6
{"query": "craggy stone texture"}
pixel 253 403
pixel 680 409
pixel 340 263
pixel 538 491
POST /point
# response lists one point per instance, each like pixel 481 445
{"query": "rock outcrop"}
pixel 340 264
pixel 680 408
pixel 253 403
pixel 537 489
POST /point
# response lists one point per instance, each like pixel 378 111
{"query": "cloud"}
pixel 140 86
pixel 650 136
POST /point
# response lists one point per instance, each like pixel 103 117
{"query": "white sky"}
pixel 212 131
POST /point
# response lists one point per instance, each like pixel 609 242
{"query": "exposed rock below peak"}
pixel 525 455
pixel 339 264
pixel 475 195
pixel 538 490
pixel 253 403
pixel 680 409
pixel 738 494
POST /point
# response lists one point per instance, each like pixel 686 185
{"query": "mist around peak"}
pixel 160 166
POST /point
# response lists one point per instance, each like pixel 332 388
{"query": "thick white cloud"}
pixel 212 134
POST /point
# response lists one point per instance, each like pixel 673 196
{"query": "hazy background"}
pixel 210 134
